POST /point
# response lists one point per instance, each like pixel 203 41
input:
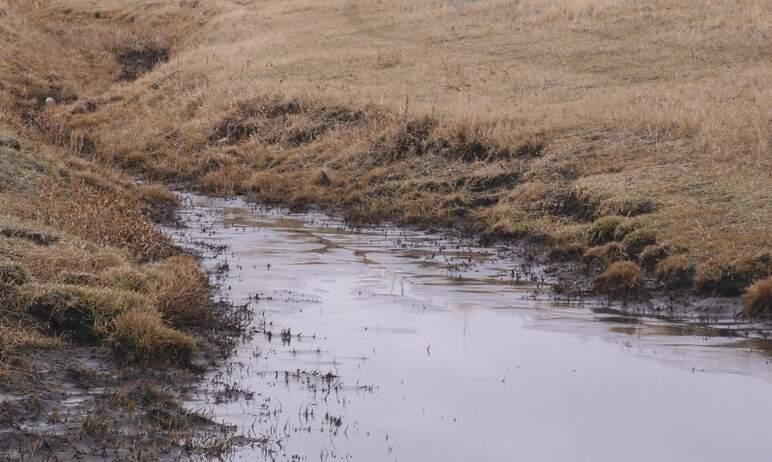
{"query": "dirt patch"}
pixel 137 59
pixel 36 237
pixel 70 403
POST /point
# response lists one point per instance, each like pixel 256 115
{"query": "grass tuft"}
pixel 604 255
pixel 675 272
pixel 637 240
pixel 141 336
pixel 181 292
pixel 758 299
pixel 603 229
pixel 622 279
pixel 651 255
pixel 85 314
pixel 730 277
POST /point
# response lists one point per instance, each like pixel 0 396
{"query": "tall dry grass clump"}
pixel 141 336
pixel 622 279
pixel 181 292
pixel 758 299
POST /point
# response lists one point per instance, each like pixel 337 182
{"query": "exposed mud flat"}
pixel 392 344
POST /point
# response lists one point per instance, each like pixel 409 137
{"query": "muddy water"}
pixel 400 345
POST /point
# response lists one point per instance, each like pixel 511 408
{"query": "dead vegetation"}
pixel 622 279
pixel 758 299
pixel 578 124
pixel 137 58
pixel 585 135
pixel 80 260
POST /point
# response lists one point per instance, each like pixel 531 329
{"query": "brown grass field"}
pixel 649 122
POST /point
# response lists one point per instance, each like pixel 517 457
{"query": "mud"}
pixel 72 403
pixel 394 344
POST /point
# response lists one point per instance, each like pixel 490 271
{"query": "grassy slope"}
pixel 511 118
pixel 80 258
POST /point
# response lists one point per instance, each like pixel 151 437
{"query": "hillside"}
pixel 576 123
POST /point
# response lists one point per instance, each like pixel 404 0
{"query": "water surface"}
pixel 399 345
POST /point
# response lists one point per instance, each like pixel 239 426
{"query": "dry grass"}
pixel 181 292
pixel 758 298
pixel 81 260
pixel 622 279
pixel 604 254
pixel 107 218
pixel 514 118
pixel 141 336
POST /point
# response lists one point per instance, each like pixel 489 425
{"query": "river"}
pixel 391 344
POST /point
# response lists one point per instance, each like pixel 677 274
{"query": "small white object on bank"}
pixel 50 101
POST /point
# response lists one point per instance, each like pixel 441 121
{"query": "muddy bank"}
pixel 389 343
pixel 81 402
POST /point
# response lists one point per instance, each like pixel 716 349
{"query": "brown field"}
pixel 528 118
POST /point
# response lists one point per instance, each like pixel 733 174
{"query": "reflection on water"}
pixel 389 344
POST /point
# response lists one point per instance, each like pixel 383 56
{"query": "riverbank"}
pixel 103 322
pixel 542 120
